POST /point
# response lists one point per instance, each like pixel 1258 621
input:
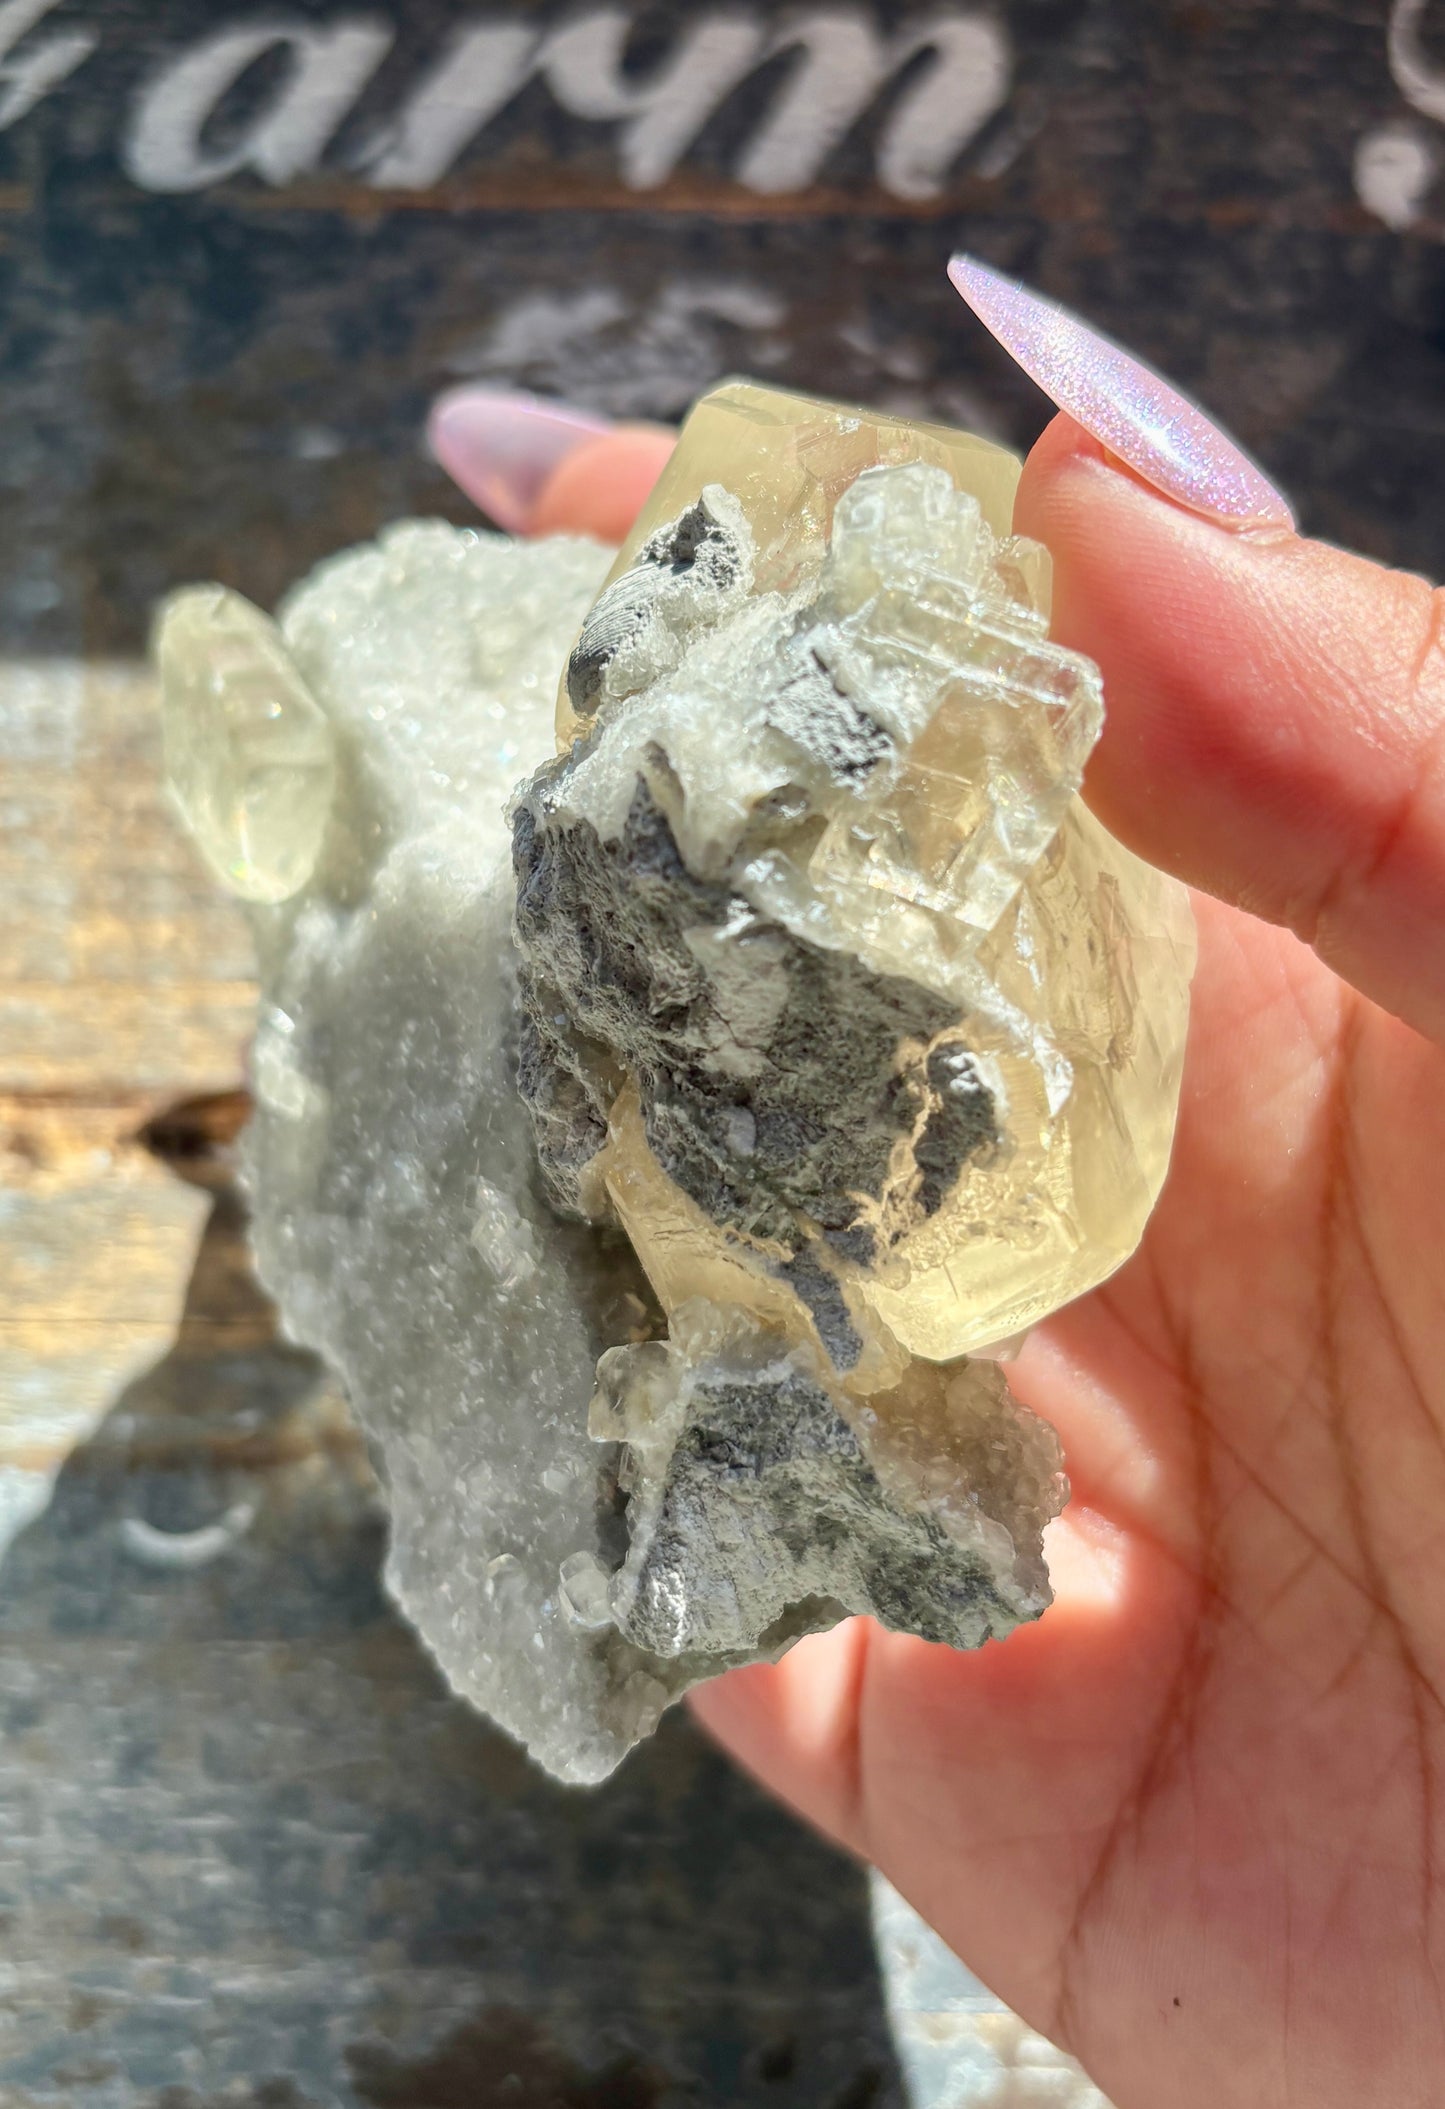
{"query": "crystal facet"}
pixel 811 1037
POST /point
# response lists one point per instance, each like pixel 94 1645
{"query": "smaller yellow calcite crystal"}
pixel 250 755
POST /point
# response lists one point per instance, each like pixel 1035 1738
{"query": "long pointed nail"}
pixel 1133 411
pixel 502 446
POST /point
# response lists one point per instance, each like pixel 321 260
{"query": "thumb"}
pixel 1275 716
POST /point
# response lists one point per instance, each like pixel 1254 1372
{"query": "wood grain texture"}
pixel 123 986
pixel 231 380
pixel 252 1853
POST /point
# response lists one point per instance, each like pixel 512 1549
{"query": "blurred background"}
pixel 250 1852
pixel 241 247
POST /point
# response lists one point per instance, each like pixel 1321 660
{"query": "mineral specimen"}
pixel 795 1035
pixel 876 962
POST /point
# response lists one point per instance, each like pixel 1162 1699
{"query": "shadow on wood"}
pixel 256 1854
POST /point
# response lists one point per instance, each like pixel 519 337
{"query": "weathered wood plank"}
pixel 252 1853
pixel 221 366
pixel 123 986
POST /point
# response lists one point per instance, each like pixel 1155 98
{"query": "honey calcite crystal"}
pixel 901 1028
pixel 700 1025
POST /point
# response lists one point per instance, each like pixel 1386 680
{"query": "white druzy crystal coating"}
pixel 396 1219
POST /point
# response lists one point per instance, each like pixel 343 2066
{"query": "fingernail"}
pixel 502 446
pixel 1133 411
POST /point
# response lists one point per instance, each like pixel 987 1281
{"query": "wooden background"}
pixel 230 380
pixel 249 1852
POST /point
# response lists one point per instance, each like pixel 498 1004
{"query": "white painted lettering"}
pixel 476 76
pixel 842 66
pixel 1395 166
pixel 26 80
pixel 328 69
pixel 846 66
pixel 1421 83
pixel 665 112
pixel 966 85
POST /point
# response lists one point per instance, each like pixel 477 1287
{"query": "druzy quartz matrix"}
pixel 701 1026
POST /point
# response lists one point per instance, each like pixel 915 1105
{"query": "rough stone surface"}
pixel 754 1509
pixel 748 969
pixel 771 1087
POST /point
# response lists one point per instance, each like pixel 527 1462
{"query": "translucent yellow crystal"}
pixel 1098 947
pixel 687 1260
pixel 834 764
pixel 788 459
pixel 250 755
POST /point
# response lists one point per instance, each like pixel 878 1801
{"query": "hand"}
pixel 1190 1825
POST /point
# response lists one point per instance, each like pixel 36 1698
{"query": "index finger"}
pixel 1275 716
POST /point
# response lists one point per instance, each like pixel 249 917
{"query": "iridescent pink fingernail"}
pixel 502 446
pixel 1133 411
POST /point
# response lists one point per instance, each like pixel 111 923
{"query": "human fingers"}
pixel 543 468
pixel 1276 708
pixel 1276 717
pixel 600 489
pixel 981 1783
